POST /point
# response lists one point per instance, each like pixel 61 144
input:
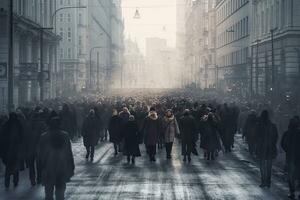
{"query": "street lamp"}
pixel 273 57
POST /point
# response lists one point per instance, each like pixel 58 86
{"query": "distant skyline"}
pixel 158 19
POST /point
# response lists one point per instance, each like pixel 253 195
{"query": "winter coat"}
pixel 290 143
pixel 37 128
pixel 114 128
pixel 55 157
pixel 91 131
pixel 151 129
pixel 210 139
pixel 249 129
pixel 188 130
pixel 11 144
pixel 266 141
pixel 67 123
pixel 170 128
pixel 131 139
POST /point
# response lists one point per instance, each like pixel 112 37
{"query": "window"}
pixel 69 53
pixel 61 32
pixel 61 53
pixel 69 17
pixel 80 40
pixel 61 2
pixel 61 17
pixel 69 34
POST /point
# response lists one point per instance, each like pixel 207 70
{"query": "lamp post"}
pixel 53 24
pixel 274 71
pixel 256 65
pixel 10 58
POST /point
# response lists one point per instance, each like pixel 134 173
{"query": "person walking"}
pixel 11 147
pixel 266 149
pixel 151 130
pixel 171 129
pixel 114 129
pixel 250 132
pixel 131 140
pixel 290 144
pixel 188 134
pixel 90 133
pixel 55 157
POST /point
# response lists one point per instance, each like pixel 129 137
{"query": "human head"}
pixel 169 113
pixel 54 123
pixel 265 115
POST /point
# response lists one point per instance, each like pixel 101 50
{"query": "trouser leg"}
pixel 92 152
pixel 60 191
pixel 31 167
pixel 116 148
pixel 7 178
pixel 49 189
pixel 292 177
pixel 88 151
pixel 268 172
pixel 262 171
pixel 16 178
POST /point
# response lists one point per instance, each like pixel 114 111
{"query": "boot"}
pixel 184 159
pixel 189 159
pixel 133 160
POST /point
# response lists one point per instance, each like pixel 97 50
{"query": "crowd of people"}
pixel 39 136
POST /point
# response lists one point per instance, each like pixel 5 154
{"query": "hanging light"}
pixel 137 14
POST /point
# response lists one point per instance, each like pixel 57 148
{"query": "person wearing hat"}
pixel 131 140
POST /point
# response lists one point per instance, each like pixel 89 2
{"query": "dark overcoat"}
pixel 131 139
pixel 114 128
pixel 91 131
pixel 55 158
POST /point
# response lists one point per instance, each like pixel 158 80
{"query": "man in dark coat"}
pixel 266 149
pixel 114 129
pixel 290 144
pixel 56 160
pixel 151 129
pixel 37 127
pixel 67 121
pixel 211 140
pixel 249 131
pixel 188 134
pixel 11 147
pixel 90 133
pixel 131 140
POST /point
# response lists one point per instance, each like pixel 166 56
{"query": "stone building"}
pixel 29 19
pixel 276 70
pixel 134 67
pixel 233 30
pixel 200 43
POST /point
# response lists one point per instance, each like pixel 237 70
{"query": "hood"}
pixel 153 115
pixel 168 119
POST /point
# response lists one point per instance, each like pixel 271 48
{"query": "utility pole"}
pixel 256 66
pixel 98 70
pixel 274 71
pixel 11 57
pixel 42 65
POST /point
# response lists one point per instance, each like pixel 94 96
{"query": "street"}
pixel 231 176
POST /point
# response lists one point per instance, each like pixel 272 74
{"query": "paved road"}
pixel 232 176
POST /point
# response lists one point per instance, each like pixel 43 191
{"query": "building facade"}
pixel 134 68
pixel 275 44
pixel 200 56
pixel 92 43
pixel 233 21
pixel 30 17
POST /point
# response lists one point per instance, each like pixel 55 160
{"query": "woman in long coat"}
pixel 188 134
pixel 114 129
pixel 11 147
pixel 131 140
pixel 90 133
pixel 151 129
pixel 171 129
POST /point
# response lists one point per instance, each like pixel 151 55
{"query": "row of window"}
pixel 69 34
pixel 235 58
pixel 234 32
pixel 68 53
pixel 68 16
pixel 229 8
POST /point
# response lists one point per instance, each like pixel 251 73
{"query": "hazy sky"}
pixel 158 19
